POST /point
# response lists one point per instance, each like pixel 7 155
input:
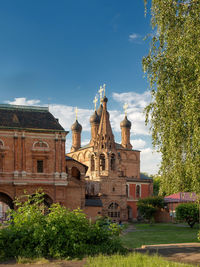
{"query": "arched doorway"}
pixel 6 203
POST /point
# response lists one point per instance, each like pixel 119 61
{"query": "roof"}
pixel 181 197
pixel 145 177
pixel 91 202
pixel 67 158
pixel 84 147
pixel 28 117
pixel 119 146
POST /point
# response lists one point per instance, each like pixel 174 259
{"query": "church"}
pixel 101 178
pixel 113 180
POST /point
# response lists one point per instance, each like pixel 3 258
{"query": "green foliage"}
pixel 172 67
pixel 134 259
pixel 156 185
pixel 59 234
pixel 148 206
pixel 188 212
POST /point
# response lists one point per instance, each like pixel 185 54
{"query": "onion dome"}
pixel 105 99
pixel 99 111
pixel 76 127
pixel 95 118
pixel 125 123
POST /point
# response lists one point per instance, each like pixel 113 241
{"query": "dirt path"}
pixel 184 252
pixel 56 263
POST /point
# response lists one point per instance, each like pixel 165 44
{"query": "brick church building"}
pixel 113 181
pixel 102 178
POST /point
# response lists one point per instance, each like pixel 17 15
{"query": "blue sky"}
pixel 61 51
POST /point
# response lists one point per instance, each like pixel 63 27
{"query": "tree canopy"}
pixel 173 69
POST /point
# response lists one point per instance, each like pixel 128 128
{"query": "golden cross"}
pixel 125 108
pixel 100 92
pixel 95 102
pixel 76 111
pixel 104 88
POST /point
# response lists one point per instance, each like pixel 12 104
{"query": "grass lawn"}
pixel 146 234
pixel 133 259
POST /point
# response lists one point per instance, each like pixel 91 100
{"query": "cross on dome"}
pixel 95 102
pixel 104 88
pixel 76 111
pixel 100 92
pixel 125 108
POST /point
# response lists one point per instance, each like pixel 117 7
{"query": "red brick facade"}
pixel 35 158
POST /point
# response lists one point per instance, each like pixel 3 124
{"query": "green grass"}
pixel 146 234
pixel 132 260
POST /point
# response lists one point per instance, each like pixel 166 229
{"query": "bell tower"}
pixel 105 137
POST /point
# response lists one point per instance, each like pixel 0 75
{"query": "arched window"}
pixel 138 191
pixel 112 162
pixel 102 162
pixel 92 163
pixel 76 173
pixel 114 210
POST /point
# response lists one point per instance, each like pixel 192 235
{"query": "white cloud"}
pixel 24 102
pixel 133 99
pixel 68 145
pixel 66 115
pixel 133 37
pixel 150 161
pixel 138 144
pixel 136 104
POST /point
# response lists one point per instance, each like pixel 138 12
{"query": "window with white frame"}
pixel 138 191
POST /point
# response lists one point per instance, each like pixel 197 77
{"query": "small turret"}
pixel 99 111
pixel 76 134
pixel 94 118
pixel 125 126
pixel 94 122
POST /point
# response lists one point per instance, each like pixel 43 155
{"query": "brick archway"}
pixel 7 200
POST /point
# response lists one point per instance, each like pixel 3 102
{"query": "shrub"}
pixel 148 206
pixel 188 212
pixel 59 234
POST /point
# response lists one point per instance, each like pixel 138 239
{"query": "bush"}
pixel 148 206
pixel 59 234
pixel 188 212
